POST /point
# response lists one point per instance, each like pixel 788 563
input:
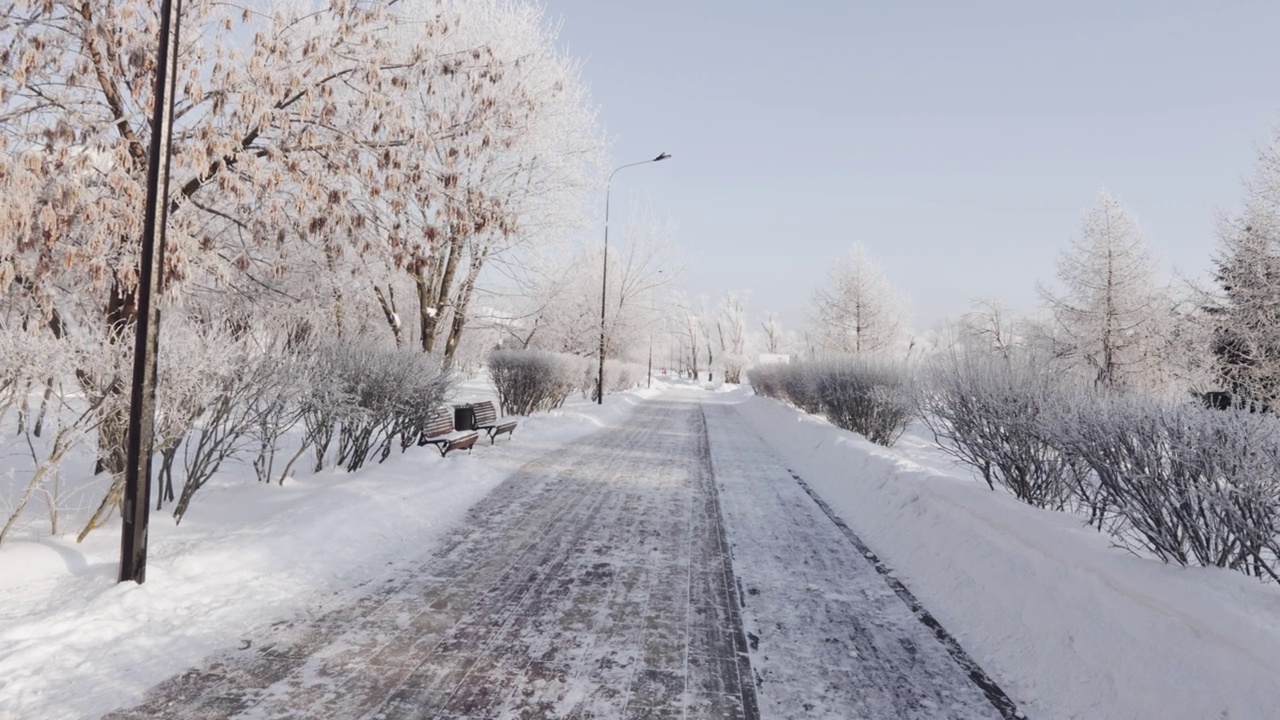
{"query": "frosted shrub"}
pixel 368 398
pixel 733 364
pixel 393 392
pixel 985 411
pixel 223 426
pixel 37 445
pixel 425 386
pixel 620 376
pixel 798 389
pixel 277 409
pixel 26 360
pixel 791 383
pixel 531 380
pixel 765 380
pixel 1193 485
pixel 868 396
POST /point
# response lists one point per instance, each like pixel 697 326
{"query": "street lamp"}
pixel 648 379
pixel 648 382
pixel 136 500
pixel 604 276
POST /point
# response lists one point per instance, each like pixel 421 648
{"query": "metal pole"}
pixel 137 483
pixel 604 287
pixel 604 275
pixel 649 379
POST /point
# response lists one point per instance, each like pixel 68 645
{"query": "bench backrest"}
pixel 485 412
pixel 439 422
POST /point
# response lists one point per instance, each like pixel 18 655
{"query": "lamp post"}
pixel 136 501
pixel 648 379
pixel 604 276
pixel 648 383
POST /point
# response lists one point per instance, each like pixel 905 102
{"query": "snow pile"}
pixel 1070 626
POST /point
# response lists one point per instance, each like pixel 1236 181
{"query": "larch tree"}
pixel 858 311
pixel 1245 316
pixel 1110 323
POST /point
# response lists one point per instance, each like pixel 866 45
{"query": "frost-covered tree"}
pixel 556 306
pixel 988 326
pixel 858 311
pixel 707 325
pixel 772 339
pixel 561 310
pixel 320 149
pixel 512 166
pixel 731 334
pixel 1110 323
pixel 689 327
pixel 1245 317
pixel 285 116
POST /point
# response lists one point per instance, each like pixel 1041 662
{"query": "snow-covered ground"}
pixel 1070 626
pixel 75 644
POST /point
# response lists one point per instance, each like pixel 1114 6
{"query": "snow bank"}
pixel 1070 626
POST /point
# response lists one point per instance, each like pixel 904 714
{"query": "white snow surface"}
pixel 1070 626
pixel 75 644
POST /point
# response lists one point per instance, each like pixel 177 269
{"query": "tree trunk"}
pixel 426 308
pixel 43 469
pixel 339 319
pixel 44 407
pixel 710 358
pixel 460 304
pixel 121 315
pixel 436 287
pixel 389 310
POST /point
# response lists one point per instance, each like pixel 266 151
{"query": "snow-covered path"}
pixel 594 583
pixel 829 636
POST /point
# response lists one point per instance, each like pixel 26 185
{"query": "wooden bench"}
pixel 441 433
pixel 487 419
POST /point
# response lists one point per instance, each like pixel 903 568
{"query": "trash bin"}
pixel 464 417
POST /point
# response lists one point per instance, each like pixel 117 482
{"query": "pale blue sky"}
pixel 961 142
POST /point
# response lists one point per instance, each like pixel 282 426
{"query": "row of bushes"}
pixel 223 398
pixel 1178 481
pixel 345 405
pixel 531 380
pixel 868 396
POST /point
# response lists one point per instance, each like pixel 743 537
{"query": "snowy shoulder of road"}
pixel 75 644
pixel 1070 626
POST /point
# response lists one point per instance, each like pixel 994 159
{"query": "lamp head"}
pixel 663 156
